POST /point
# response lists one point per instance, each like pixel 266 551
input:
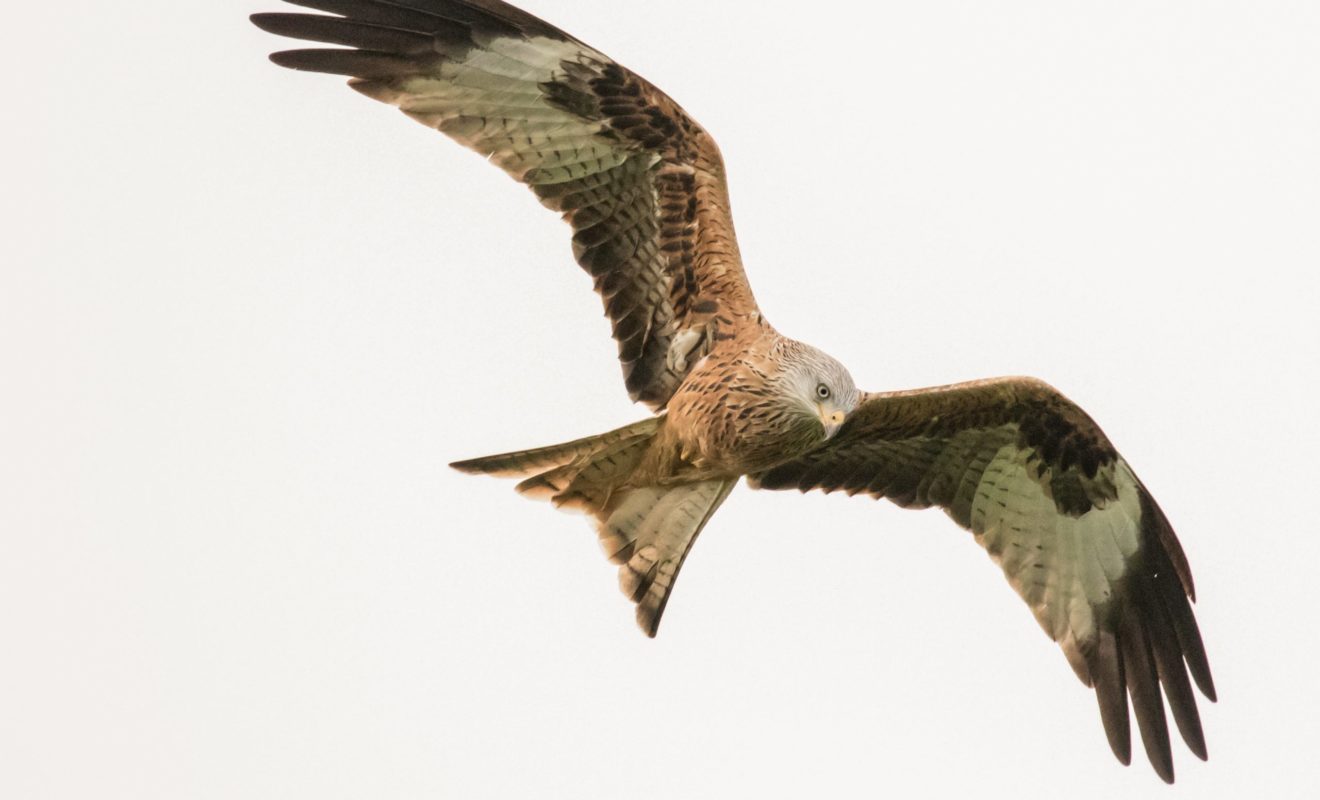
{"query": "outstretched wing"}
pixel 639 181
pixel 1076 533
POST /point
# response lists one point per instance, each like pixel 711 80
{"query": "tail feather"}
pixel 655 528
pixel 646 529
pixel 592 485
pixel 586 482
pixel 547 485
pixel 522 463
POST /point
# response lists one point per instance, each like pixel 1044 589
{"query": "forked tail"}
pixel 646 529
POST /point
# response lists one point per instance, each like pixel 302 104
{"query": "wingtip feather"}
pixel 1111 692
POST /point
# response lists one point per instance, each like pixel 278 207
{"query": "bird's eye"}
pixel 823 392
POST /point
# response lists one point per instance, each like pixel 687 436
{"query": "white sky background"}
pixel 248 316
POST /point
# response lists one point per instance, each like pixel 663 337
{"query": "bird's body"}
pixel 643 186
pixel 750 404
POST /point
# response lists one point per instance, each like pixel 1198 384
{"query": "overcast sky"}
pixel 248 316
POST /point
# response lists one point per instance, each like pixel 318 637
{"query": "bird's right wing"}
pixel 1077 535
pixel 639 181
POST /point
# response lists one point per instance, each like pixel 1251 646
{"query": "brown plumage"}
pixel 643 187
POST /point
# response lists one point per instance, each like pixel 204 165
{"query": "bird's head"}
pixel 820 387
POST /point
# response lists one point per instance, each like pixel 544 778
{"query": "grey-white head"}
pixel 820 384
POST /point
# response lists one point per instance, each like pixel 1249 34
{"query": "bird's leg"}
pixel 683 345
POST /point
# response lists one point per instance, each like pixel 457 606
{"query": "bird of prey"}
pixel 643 187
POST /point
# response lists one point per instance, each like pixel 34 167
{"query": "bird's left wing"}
pixel 1076 533
pixel 640 182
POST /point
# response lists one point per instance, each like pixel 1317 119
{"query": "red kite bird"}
pixel 643 187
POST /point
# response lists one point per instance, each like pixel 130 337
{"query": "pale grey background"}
pixel 247 317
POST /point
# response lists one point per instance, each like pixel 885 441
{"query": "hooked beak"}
pixel 832 419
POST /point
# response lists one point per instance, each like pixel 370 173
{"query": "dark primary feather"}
pixel 639 181
pixel 485 16
pixel 958 447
